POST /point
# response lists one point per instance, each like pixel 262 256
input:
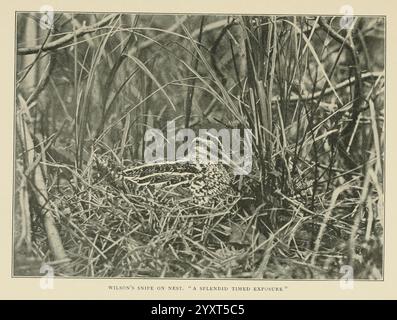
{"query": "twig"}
pixel 25 217
pixel 67 38
pixel 336 36
pixel 54 240
pixel 44 79
pixel 37 58
pixel 339 86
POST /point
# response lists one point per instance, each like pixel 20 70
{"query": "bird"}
pixel 194 181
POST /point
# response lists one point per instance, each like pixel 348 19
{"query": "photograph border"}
pixel 388 245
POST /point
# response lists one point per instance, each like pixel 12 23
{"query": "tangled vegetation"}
pixel 311 90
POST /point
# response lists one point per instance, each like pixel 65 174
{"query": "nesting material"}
pixel 163 219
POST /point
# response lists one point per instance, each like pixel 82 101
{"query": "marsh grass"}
pixel 311 93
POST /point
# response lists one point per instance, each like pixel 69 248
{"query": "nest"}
pixel 111 228
pixel 168 220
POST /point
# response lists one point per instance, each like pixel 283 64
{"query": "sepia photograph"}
pixel 199 146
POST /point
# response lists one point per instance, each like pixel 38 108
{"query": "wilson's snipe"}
pixel 205 184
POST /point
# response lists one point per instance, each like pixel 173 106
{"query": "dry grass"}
pixel 312 95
